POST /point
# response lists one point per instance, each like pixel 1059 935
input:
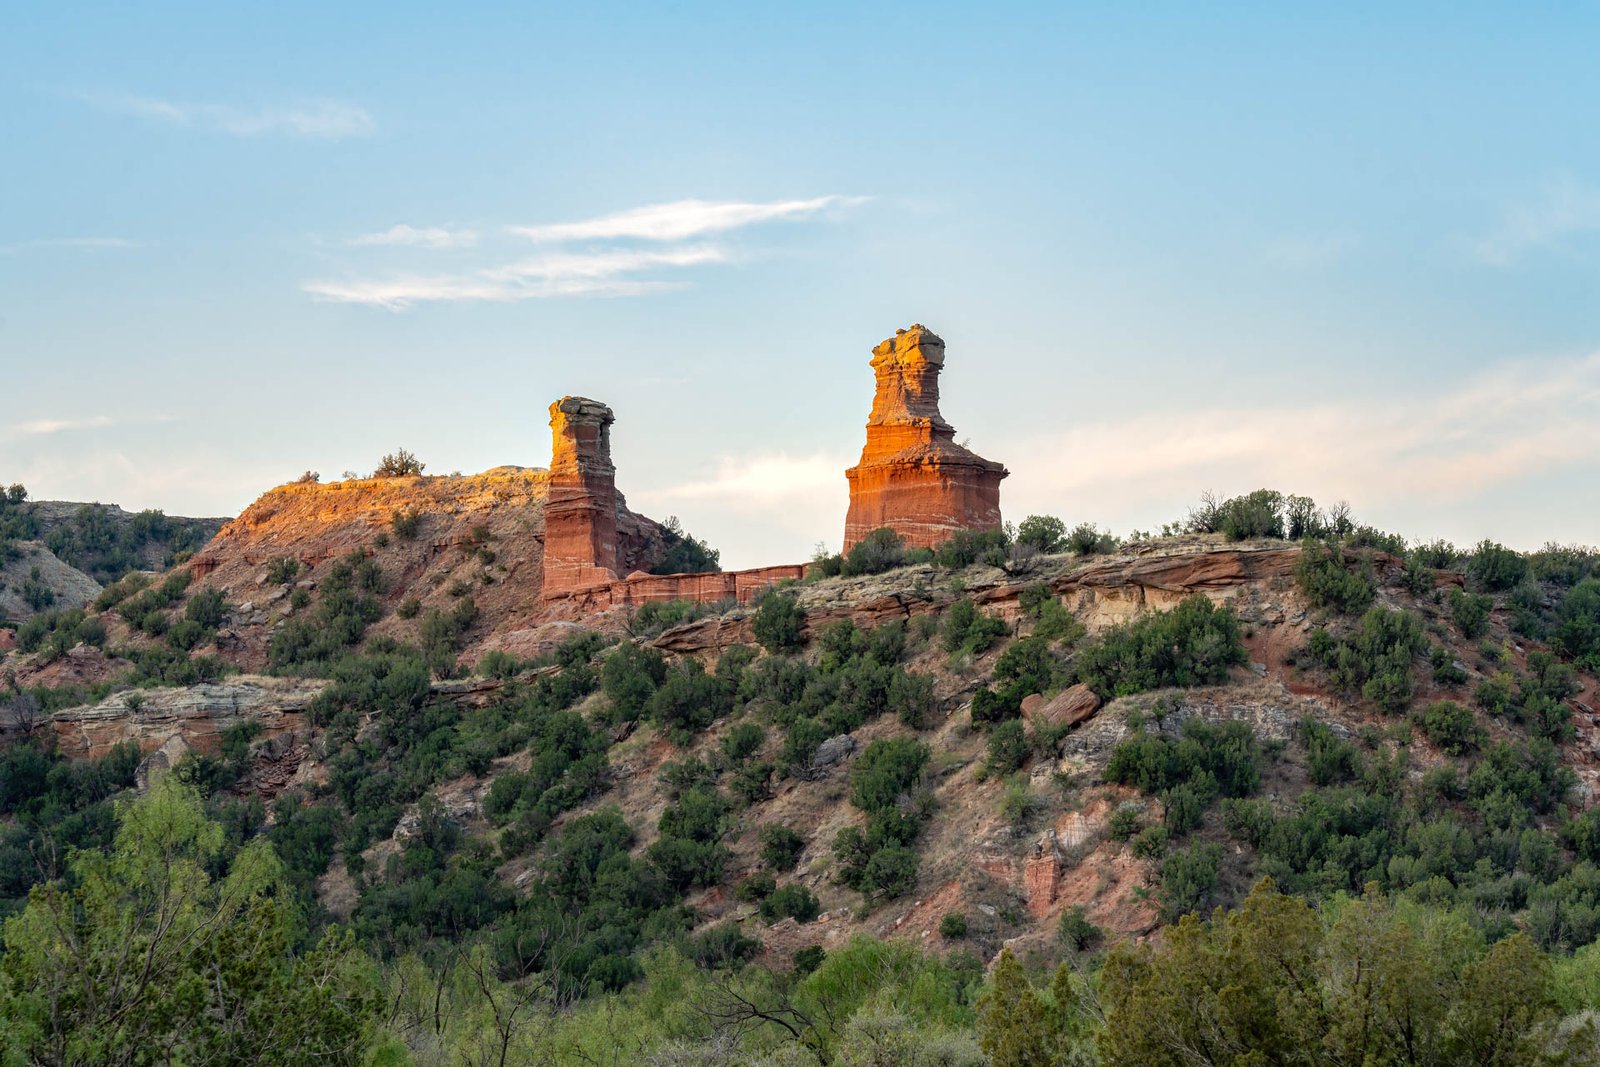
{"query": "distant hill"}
pixel 103 540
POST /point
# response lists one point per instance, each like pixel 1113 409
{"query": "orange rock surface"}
pixel 912 476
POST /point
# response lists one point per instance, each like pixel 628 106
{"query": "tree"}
pixel 780 622
pixel 1044 532
pixel 399 464
pixel 141 950
pixel 1017 1026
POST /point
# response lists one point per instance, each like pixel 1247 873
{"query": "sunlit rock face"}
pixel 590 536
pixel 580 516
pixel 913 477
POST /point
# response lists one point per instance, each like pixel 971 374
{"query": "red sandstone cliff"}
pixel 912 476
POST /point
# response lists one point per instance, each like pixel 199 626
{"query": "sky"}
pixel 1349 251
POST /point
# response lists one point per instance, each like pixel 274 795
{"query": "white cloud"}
pixel 329 120
pixel 68 242
pixel 1563 208
pixel 541 277
pixel 681 219
pixel 1390 449
pixel 416 237
pixel 651 243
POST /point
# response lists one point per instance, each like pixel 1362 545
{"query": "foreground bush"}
pixel 1193 644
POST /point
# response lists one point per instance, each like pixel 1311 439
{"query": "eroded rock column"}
pixel 912 476
pixel 580 517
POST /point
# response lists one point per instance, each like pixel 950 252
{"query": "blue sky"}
pixel 1341 251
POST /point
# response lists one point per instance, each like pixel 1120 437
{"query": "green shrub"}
pixel 1328 582
pixel 1046 533
pixel 1076 931
pixel 1495 567
pixel 1008 748
pixel 1226 753
pixel 1470 612
pixel 1087 539
pixel 953 926
pixel 1376 660
pixel 886 770
pixel 780 847
pixel 966 547
pixel 406 523
pixel 879 551
pixel 630 677
pixel 1125 821
pixel 282 570
pixel 966 630
pixel 1193 644
pixel 1453 728
pixel 758 887
pixel 791 902
pixel 1329 759
pixel 742 742
pixel 1188 879
pixel 723 945
pixel 1577 629
pixel 685 554
pixel 779 624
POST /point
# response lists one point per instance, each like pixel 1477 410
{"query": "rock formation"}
pixel 913 477
pixel 580 515
pixel 591 539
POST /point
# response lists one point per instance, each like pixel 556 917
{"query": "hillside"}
pixel 57 554
pixel 980 747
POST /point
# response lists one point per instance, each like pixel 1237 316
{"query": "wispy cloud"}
pixel 43 427
pixel 1514 422
pixel 630 253
pixel 416 237
pixel 329 120
pixel 561 274
pixel 1562 208
pixel 68 242
pixel 682 219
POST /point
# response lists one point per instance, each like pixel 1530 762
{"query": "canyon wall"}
pixel 913 477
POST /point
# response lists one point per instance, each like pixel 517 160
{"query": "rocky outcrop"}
pixel 912 476
pixel 152 718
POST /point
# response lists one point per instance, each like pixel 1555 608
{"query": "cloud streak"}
pixel 326 120
pixel 629 253
pixel 541 277
pixel 682 219
pixel 416 237
pixel 45 427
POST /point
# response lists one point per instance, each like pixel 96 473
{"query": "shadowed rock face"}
pixel 913 477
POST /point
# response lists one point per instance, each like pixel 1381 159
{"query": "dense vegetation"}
pixel 1441 867
pixel 103 547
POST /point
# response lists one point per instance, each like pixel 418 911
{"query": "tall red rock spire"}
pixel 580 516
pixel 913 477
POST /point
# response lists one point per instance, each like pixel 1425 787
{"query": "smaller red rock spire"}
pixel 913 477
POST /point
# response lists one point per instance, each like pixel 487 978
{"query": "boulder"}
pixel 1068 708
